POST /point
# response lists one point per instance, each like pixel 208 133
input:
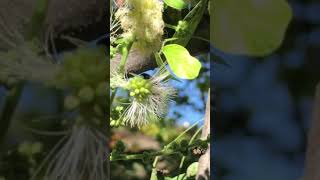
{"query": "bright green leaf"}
pixel 192 169
pixel 249 27
pixel 179 177
pixel 176 4
pixel 181 62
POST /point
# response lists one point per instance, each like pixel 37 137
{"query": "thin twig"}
pixel 204 161
pixel 184 157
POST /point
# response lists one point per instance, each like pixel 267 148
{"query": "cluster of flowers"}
pixel 148 97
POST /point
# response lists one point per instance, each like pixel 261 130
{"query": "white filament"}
pixel 81 157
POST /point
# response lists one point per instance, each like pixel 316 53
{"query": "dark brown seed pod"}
pixel 198 151
pixel 163 172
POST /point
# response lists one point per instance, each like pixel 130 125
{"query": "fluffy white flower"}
pixel 142 19
pixel 149 97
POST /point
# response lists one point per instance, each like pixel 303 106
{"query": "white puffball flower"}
pixel 143 20
pixel 149 98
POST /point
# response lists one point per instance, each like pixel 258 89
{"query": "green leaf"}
pixel 249 27
pixel 181 62
pixel 176 4
pixel 182 176
pixel 192 169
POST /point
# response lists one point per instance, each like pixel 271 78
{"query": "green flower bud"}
pixel 79 120
pixel 204 145
pixel 71 102
pixel 96 121
pixel 182 26
pixel 119 108
pixel 3 79
pixel 64 122
pixel 146 157
pixel 36 147
pixel 143 20
pixel 11 82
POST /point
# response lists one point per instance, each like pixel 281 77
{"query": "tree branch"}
pixel 136 63
pixel 204 161
pixel 75 13
pixel 142 156
pixel 312 170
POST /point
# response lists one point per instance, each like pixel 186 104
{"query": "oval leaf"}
pixel 192 169
pixel 176 4
pixel 250 27
pixel 181 62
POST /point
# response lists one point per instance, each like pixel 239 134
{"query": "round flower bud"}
pixel 113 122
pixel 174 146
pixel 71 102
pixel 139 88
pixel 119 108
pixel 11 82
